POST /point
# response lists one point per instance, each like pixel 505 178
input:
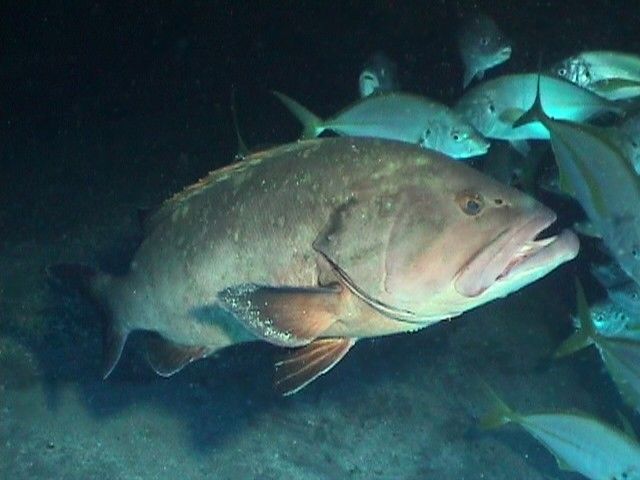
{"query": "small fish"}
pixel 494 106
pixel 627 297
pixel 397 116
pixel 578 442
pixel 613 75
pixel 315 245
pixel 595 172
pixel 482 46
pixel 620 353
pixel 379 75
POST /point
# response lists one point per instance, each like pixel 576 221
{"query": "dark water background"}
pixel 108 106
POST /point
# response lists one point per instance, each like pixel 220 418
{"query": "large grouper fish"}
pixel 317 244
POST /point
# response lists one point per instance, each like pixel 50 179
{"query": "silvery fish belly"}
pixel 319 243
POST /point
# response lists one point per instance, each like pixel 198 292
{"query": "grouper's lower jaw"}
pixel 516 259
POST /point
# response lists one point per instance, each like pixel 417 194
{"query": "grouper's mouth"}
pixel 517 257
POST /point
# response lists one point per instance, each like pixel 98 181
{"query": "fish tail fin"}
pixel 535 113
pixel 313 125
pixel 586 333
pixel 499 414
pixel 92 284
pixel 243 150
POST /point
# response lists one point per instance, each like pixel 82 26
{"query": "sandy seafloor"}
pixel 397 407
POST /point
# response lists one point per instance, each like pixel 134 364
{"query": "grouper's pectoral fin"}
pixel 284 316
pixel 167 358
pixel 306 364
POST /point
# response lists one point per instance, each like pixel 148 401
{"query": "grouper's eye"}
pixel 562 71
pixel 471 203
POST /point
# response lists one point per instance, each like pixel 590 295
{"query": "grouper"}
pixel 317 244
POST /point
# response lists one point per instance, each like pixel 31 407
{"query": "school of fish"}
pixel 384 218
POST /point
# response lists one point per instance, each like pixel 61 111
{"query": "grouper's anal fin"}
pixel 304 365
pixel 167 357
pixel 283 316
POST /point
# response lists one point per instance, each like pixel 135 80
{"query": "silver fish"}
pixel 379 75
pixel 317 244
pixel 482 46
pixel 494 106
pixel 613 75
pixel 579 443
pixel 620 352
pixel 397 116
pixel 597 174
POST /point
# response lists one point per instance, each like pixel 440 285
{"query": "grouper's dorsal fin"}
pixel 243 150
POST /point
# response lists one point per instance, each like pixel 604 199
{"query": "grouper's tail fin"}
pixel 92 284
pixel 313 125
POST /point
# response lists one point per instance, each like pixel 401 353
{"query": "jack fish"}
pixel 317 244
pixel 596 172
pixel 613 75
pixel 494 106
pixel 579 443
pixel 379 75
pixel 482 46
pixel 397 116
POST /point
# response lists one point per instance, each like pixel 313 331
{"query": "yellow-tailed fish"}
pixel 620 354
pixel 397 116
pixel 579 442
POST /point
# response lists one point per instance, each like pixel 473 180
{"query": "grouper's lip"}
pixel 516 254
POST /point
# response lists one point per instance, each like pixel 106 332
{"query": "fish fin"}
pixel 499 414
pixel 521 146
pixel 586 334
pixel 511 115
pixel 468 77
pixel 167 357
pixel 243 150
pixel 284 316
pixel 114 338
pixel 535 113
pixel 313 125
pixel 305 364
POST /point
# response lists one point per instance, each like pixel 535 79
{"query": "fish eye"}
pixel 499 201
pixel 562 71
pixel 471 203
pixel 456 136
pixel 484 41
pixel 492 108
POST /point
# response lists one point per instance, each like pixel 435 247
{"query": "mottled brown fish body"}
pixel 337 238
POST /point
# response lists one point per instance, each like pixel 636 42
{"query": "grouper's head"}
pixel 466 239
pixel 445 238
